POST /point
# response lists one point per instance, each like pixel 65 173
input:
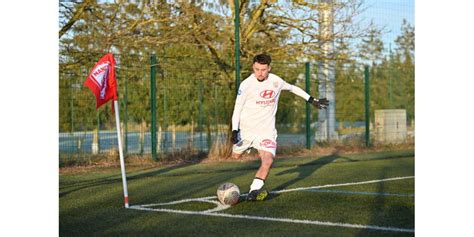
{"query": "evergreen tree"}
pixel 371 47
pixel 406 42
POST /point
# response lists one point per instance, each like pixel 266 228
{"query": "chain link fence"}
pixel 194 99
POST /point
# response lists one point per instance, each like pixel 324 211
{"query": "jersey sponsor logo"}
pixel 267 143
pixel 267 94
pixel 266 102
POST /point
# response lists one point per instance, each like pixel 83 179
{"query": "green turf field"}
pixel 340 195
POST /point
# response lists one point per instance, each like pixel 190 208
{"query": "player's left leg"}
pixel 236 155
pixel 242 146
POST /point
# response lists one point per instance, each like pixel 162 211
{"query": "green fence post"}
pixel 72 110
pixel 200 116
pixel 98 131
pixel 71 89
pixel 164 130
pixel 216 115
pixel 367 106
pixel 308 108
pixel 125 117
pixel 153 106
pixel 390 91
pixel 237 44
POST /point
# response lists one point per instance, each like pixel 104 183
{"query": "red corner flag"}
pixel 101 80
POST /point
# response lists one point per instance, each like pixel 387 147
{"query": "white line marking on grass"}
pixel 181 201
pixel 221 207
pixel 344 184
pixel 312 222
pixel 360 193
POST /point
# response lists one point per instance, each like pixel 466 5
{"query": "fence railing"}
pixel 174 104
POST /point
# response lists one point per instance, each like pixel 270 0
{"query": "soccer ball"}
pixel 228 193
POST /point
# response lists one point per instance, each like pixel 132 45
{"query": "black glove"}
pixel 321 103
pixel 235 136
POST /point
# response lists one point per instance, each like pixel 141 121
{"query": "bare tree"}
pixel 71 12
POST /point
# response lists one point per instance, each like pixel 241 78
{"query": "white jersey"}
pixel 256 105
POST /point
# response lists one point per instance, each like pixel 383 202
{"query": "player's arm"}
pixel 321 103
pixel 239 105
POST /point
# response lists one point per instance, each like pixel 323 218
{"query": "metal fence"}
pixel 193 98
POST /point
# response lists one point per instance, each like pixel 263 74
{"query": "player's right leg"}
pixel 257 193
pixel 266 159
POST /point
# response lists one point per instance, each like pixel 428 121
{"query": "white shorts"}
pixel 266 144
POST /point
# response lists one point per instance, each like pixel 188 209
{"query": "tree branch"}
pixel 75 17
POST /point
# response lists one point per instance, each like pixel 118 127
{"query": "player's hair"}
pixel 262 59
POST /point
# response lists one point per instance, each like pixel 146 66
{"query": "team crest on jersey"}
pixel 267 94
pixel 267 143
pixel 275 84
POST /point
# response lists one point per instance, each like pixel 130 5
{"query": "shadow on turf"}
pixel 305 170
pixel 381 215
pixel 77 186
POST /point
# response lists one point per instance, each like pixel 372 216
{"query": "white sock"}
pixel 256 184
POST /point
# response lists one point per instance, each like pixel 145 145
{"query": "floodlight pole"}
pixel 122 161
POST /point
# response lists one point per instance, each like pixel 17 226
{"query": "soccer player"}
pixel 253 120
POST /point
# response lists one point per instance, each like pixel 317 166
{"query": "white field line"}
pixel 359 193
pixel 325 223
pixel 344 184
pixel 221 207
pixel 181 201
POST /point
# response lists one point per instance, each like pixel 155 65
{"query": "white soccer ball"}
pixel 228 193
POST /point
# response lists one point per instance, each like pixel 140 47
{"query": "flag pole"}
pixel 104 87
pixel 122 162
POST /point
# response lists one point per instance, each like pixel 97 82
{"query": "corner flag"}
pixel 101 81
